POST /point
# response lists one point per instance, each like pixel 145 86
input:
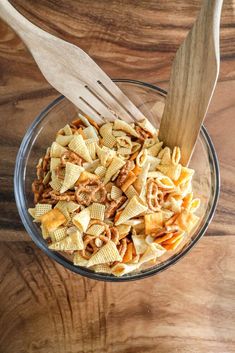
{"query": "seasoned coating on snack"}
pixel 111 197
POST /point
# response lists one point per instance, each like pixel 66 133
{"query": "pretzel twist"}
pixel 153 195
pixel 93 189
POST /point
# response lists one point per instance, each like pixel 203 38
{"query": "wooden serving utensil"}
pixel 72 72
pixel 192 82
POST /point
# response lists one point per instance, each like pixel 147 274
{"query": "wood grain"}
pixel 45 308
pixel 139 41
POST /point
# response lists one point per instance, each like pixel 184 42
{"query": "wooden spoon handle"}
pixel 192 82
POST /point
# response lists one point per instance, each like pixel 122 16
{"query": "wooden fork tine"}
pixel 89 112
pixel 95 104
pixel 114 103
pixel 117 100
pixel 100 84
pixel 110 103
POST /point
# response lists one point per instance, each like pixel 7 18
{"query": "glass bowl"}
pixel 150 100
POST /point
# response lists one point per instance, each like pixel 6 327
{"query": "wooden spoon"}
pixel 72 72
pixel 192 82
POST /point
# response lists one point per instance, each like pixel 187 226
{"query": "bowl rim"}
pixel 19 196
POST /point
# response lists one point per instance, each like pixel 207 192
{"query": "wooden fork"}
pixel 72 72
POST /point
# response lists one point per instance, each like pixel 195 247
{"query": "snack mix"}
pixel 113 197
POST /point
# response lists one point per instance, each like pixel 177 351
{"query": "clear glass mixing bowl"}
pixel 150 100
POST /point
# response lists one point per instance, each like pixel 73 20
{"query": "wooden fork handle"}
pixel 23 27
pixel 192 82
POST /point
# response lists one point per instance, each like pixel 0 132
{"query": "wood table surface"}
pixel 44 308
